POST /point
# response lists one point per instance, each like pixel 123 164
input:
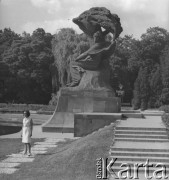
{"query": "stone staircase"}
pixel 139 140
pixel 141 134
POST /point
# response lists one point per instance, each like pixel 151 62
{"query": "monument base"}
pixel 71 102
pixel 86 123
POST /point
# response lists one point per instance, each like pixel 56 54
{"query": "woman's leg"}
pixel 25 148
pixel 29 149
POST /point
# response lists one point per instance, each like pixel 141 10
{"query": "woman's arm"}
pixel 21 131
pixel 31 126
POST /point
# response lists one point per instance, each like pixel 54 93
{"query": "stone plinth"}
pixel 86 123
pixel 71 102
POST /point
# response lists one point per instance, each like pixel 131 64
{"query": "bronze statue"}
pixel 90 90
pixel 92 22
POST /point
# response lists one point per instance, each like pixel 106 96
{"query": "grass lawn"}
pixel 11 146
pixel 69 161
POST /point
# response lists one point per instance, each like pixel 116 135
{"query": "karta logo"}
pixel 125 171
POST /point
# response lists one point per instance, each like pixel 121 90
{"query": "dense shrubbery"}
pixel 22 107
pixel 164 108
pixel 165 119
pixel 27 60
pixel 165 116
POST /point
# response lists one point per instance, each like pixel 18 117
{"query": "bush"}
pixel 54 99
pixel 165 118
pixel 22 107
pixel 3 105
pixel 164 108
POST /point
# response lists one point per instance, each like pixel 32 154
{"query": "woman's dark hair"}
pixel 27 113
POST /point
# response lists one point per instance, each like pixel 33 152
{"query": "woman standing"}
pixel 27 132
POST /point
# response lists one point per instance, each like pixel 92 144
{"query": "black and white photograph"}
pixel 84 89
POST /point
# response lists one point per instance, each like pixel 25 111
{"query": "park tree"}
pixel 66 46
pixel 155 87
pixel 28 60
pixel 142 89
pixel 124 65
pixel 165 76
pixel 153 42
pixel 6 38
pixel 151 45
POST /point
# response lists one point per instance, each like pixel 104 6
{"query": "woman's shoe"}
pixel 29 154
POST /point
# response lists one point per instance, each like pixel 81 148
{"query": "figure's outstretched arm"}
pixel 82 56
pixel 86 53
pixel 112 46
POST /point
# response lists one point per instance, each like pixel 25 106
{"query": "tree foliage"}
pixel 32 67
pixel 165 75
pixel 28 60
pixel 152 44
pixel 66 46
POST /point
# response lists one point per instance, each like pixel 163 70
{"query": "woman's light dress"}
pixel 26 130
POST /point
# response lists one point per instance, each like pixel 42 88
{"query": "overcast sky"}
pixel 136 15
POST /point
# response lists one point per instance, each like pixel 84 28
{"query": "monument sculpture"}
pixel 92 22
pixel 89 90
pixel 91 61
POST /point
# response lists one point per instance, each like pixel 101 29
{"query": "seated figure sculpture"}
pixel 92 67
pixel 91 60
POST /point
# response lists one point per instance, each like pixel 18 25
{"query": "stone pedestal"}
pixel 86 123
pixel 71 102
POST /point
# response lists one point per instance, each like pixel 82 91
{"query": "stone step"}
pixel 141 136
pixel 153 111
pixel 140 132
pixel 36 152
pixel 141 129
pixel 18 160
pixel 133 115
pixel 130 111
pixel 152 114
pixel 139 150
pixel 141 140
pixel 131 163
pixel 45 143
pixel 54 140
pixel 142 154
pixel 141 176
pixel 140 171
pixel 9 165
pixel 39 148
pixel 7 170
pixel 44 146
pixel 140 159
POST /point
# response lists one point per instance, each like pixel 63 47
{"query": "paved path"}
pixel 137 140
pixel 13 162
